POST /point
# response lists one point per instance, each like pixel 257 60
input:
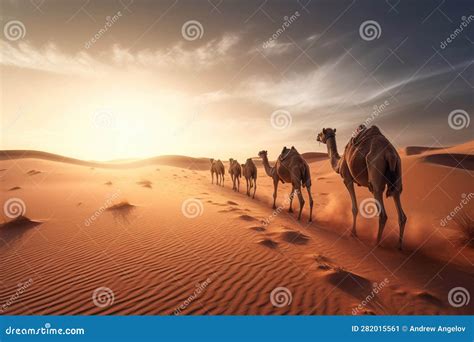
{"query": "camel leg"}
pixel 382 215
pixel 275 190
pixel 238 184
pixel 254 187
pixel 223 179
pixel 402 219
pixel 247 186
pixel 350 187
pixel 212 178
pixel 310 204
pixel 292 194
pixel 300 198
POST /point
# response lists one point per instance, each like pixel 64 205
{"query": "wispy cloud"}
pixel 205 56
pixel 51 59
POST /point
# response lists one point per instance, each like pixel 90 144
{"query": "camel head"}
pixel 231 160
pixel 325 134
pixel 262 154
pixel 211 160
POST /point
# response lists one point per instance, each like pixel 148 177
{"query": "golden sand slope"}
pixel 133 231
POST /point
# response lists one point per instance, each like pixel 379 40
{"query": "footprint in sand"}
pixel 108 183
pixel 247 218
pixel 323 262
pixel 229 210
pixel 232 203
pixel 33 172
pixel 258 228
pixel 14 188
pixel 145 183
pixel 429 297
pixel 268 243
pixel 349 282
pixel 295 237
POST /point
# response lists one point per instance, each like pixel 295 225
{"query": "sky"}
pixel 119 79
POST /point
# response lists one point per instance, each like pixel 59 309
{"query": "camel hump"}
pixel 364 134
pixel 287 152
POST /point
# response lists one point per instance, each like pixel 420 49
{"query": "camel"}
pixel 249 170
pixel 217 168
pixel 290 168
pixel 369 160
pixel 235 173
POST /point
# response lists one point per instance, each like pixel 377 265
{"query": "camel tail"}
pixel 393 174
pixel 306 176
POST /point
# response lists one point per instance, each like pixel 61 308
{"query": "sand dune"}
pixel 462 161
pixel 152 247
pixel 412 150
pixel 177 161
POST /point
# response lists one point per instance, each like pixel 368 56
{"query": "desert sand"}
pixel 166 241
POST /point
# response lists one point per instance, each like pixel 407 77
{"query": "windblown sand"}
pixel 124 229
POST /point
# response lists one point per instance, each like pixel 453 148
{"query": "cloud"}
pixel 51 59
pixel 205 56
pixel 275 48
pixel 337 84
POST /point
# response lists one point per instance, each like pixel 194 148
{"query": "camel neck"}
pixel 333 154
pixel 266 164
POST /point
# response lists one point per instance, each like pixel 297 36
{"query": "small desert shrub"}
pixel 465 223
